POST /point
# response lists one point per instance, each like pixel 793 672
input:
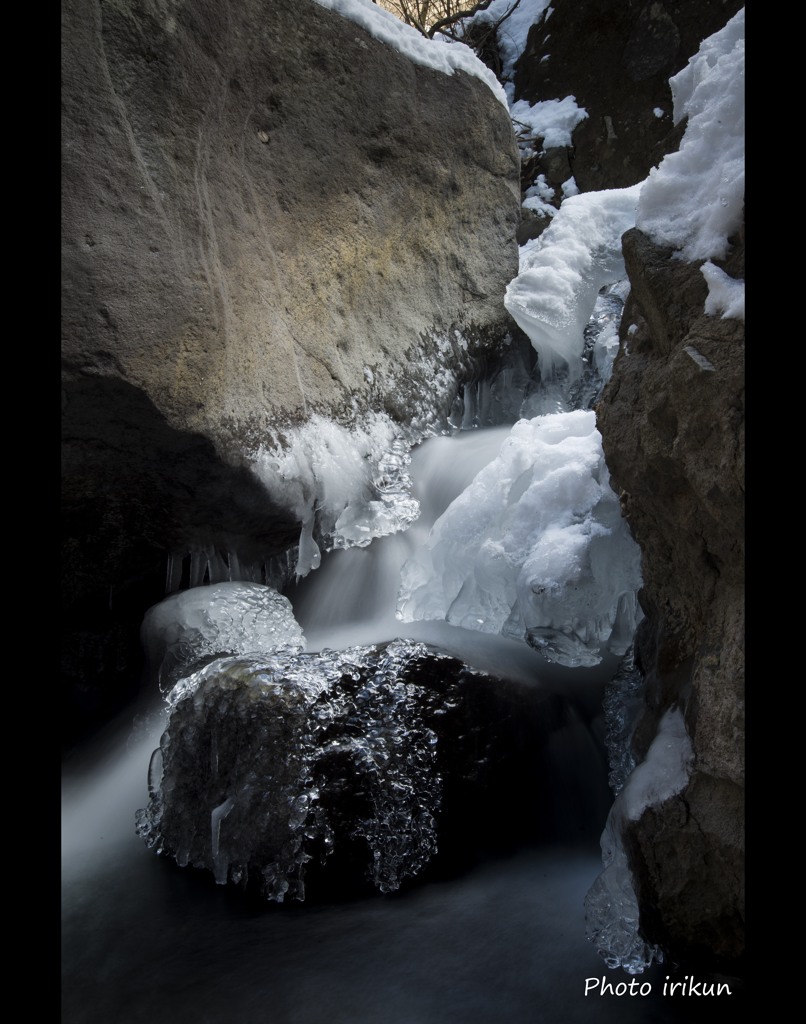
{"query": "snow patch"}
pixel 439 54
pixel 725 293
pixel 693 200
pixel 553 121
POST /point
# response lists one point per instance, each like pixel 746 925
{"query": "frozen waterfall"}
pixel 530 797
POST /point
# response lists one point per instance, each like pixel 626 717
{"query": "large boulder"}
pixel 262 202
pixel 297 775
pixel 267 213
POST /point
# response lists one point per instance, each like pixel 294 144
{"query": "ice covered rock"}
pixel 346 485
pixel 269 763
pixel 534 548
pixel 206 622
pixel 302 774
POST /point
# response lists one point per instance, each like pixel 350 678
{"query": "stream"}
pixel 499 942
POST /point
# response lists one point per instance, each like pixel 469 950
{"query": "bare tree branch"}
pixel 451 19
pixel 504 18
pixel 419 14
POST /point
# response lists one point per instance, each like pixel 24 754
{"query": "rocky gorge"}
pixel 271 215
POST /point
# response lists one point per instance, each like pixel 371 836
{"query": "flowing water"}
pixel 502 942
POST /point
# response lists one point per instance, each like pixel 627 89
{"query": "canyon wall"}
pixel 672 424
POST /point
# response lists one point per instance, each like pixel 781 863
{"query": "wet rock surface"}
pixel 309 775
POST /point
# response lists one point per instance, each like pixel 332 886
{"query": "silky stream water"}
pixel 503 942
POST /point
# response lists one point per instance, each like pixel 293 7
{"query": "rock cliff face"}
pixel 672 424
pixel 266 213
pixel 261 200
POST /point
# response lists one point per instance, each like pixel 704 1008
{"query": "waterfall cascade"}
pixel 512 558
pixel 463 762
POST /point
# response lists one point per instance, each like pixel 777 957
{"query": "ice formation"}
pixel 611 906
pixel 534 548
pixel 622 704
pixel 269 763
pixel 206 622
pixel 204 564
pixel 562 272
pixel 346 485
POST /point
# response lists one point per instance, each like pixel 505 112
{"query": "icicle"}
pixel 155 772
pixel 235 571
pixel 218 566
pixel 173 573
pixel 309 555
pixel 218 814
pixel 198 567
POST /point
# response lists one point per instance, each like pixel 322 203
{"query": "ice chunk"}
pixel 345 485
pixel 226 618
pixel 535 547
pixel 562 272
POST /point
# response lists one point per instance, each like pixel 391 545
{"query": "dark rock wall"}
pixel 616 58
pixel 672 424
